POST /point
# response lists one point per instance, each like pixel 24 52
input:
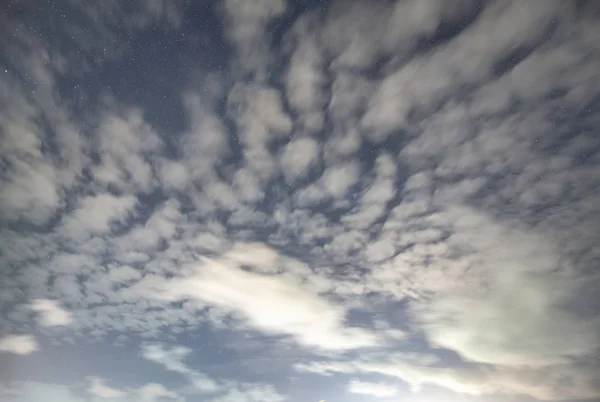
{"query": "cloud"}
pixel 499 259
pixel 201 384
pixel 298 156
pixel 127 143
pixel 149 392
pixel 540 384
pixel 31 184
pixel 172 360
pixel 99 388
pixel 380 390
pixel 252 393
pixel 516 342
pixel 124 273
pixel 50 314
pixel 174 175
pixel 304 78
pixel 170 12
pixel 153 392
pixel 247 28
pixel 261 119
pixel 426 79
pixel 340 180
pixel 19 344
pixel 534 330
pixel 205 140
pixel 282 306
pixel 30 391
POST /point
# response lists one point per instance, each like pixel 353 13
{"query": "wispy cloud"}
pixel 99 388
pixel 201 384
pixel 149 392
pixel 281 307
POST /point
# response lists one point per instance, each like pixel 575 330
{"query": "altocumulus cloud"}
pixel 267 200
pixel 50 313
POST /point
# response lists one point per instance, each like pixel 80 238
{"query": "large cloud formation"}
pixel 341 180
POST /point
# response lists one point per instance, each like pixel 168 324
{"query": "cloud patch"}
pixel 19 344
pixel 380 390
pixel 282 307
pixel 50 314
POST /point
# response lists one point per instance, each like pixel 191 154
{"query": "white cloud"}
pixel 260 118
pixel 378 389
pixel 174 175
pixel 95 214
pixel 31 187
pixel 152 392
pixel 28 391
pixel 247 185
pixel 488 323
pixel 498 328
pixel 338 179
pixel 251 393
pixel 501 28
pixel 161 224
pixel 259 111
pixel 50 313
pixel 281 307
pixel 374 200
pixel 304 79
pixel 342 144
pixel 19 344
pixel 205 141
pixel 99 388
pixel 127 144
pixel 540 384
pixel 172 359
pixel 123 273
pixel 149 392
pixel 510 313
pixel 298 156
pixel 201 384
pixel 246 29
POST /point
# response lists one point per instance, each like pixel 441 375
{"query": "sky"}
pixel 296 201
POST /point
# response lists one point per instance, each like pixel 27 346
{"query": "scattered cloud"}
pixel 99 388
pixel 154 392
pixel 541 383
pixel 19 344
pixel 172 360
pixel 202 384
pixel 247 27
pixel 96 213
pixel 404 193
pixel 50 314
pixel 380 390
pixel 298 156
pixel 149 392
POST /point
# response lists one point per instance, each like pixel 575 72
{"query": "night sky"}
pixel 296 201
